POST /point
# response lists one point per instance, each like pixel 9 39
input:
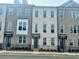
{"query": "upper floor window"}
pixel 74 14
pixel 75 29
pixel 0 25
pixel 44 14
pixel 36 13
pixel 61 14
pixel 52 28
pixel 19 12
pixel 71 28
pixel 36 28
pixel 52 14
pixel 27 12
pixel 62 28
pixel 22 26
pixel 78 29
pixel 10 11
pixel 9 26
pixel 77 15
pixel 44 41
pixel 1 11
pixel 44 28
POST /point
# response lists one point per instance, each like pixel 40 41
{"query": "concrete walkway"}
pixel 29 53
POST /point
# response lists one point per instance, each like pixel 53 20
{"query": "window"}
pixel 36 28
pixel 78 42
pixel 75 29
pixel 44 28
pixel 52 28
pixel 77 15
pixel 19 12
pixel 78 29
pixel 22 39
pixel 1 11
pixel 44 14
pixel 0 25
pixel 24 26
pixel 52 14
pixel 9 26
pixel 71 29
pixel 74 14
pixel 61 14
pixel 20 25
pixel 36 13
pixel 44 41
pixel 62 28
pixel 10 11
pixel 52 41
pixel 71 43
pixel 27 12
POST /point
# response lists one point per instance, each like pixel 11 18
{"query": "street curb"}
pixel 26 53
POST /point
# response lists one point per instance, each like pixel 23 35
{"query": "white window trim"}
pixel 22 31
pixel 22 40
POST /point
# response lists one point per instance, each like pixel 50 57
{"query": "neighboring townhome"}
pixel 44 28
pixel 2 24
pixel 18 26
pixel 68 26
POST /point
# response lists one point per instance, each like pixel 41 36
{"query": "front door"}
pixel 8 42
pixel 62 42
pixel 35 42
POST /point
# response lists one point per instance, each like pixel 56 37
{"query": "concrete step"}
pixel 35 49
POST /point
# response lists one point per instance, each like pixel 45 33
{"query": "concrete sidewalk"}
pixel 26 53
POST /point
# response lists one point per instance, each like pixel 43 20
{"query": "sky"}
pixel 41 2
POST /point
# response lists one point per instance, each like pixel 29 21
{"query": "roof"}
pixel 70 3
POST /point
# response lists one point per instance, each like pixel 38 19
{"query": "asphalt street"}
pixel 39 57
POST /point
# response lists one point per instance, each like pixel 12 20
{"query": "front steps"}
pixel 35 49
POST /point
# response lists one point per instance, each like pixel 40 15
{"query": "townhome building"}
pixel 2 24
pixel 15 26
pixel 44 28
pixel 68 26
